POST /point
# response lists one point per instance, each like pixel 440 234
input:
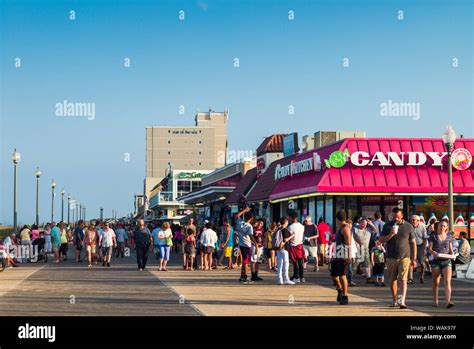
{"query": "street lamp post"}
pixel 37 175
pixel 101 214
pixel 80 211
pixel 16 160
pixel 68 208
pixel 74 212
pixel 53 185
pixel 62 205
pixel 449 138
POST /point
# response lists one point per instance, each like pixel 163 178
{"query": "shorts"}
pixel 208 249
pixel 339 267
pixel 311 250
pixel 56 248
pixel 378 270
pixel 79 247
pixel 398 267
pixel 63 248
pixel 245 253
pixel 420 254
pixel 91 248
pixel 256 256
pixel 322 249
pixel 441 263
pixel 228 251
pixel 121 244
pixel 268 252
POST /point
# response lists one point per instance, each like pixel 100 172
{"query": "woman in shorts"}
pixel 90 242
pixel 440 242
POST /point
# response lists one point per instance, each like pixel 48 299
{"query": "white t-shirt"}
pixel 107 238
pixel 297 229
pixel 162 235
pixel 209 238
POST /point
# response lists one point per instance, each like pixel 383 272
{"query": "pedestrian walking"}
pixel 296 248
pixel 208 243
pixel 143 240
pixel 421 239
pixel 165 242
pixel 280 244
pixel 440 245
pixel 399 236
pixel 90 243
pixel 310 243
pixel 342 258
pixel 78 237
pixel 108 242
pixel 190 248
pixel 246 240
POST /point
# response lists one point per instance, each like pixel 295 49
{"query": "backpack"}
pixel 277 240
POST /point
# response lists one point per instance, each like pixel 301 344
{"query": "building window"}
pixel 169 153
pixel 200 142
pixel 169 131
pixel 169 142
pixel 195 185
pixel 199 164
pixel 200 153
pixel 184 187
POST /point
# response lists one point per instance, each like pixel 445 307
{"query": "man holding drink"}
pixel 401 252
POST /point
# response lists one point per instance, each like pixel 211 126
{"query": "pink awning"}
pixel 376 179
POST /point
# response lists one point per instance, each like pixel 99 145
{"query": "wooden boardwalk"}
pixel 72 289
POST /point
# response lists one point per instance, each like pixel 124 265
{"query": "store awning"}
pixel 381 165
pixel 212 192
pixel 242 187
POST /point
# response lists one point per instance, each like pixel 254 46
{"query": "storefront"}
pixel 366 175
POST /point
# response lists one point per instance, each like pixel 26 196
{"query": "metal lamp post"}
pixel 62 204
pixel 101 214
pixel 16 160
pixel 449 138
pixel 37 175
pixel 68 208
pixel 53 186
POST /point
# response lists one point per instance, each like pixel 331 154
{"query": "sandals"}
pixel 410 282
pixel 450 305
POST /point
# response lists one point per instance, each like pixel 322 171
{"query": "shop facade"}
pixel 366 175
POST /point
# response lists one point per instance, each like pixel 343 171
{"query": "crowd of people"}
pixel 370 247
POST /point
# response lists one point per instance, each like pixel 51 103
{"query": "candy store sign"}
pixel 298 167
pixel 461 159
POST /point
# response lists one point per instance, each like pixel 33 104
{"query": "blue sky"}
pixel 190 63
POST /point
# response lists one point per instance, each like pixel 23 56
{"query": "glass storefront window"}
pixel 340 203
pixel 319 207
pixel 329 217
pixel 351 207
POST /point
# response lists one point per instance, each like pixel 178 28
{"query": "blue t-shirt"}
pixel 154 233
pixel 78 234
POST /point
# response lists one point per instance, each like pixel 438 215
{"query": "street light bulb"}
pixel 38 173
pixel 15 157
pixel 63 192
pixel 449 136
pixel 53 184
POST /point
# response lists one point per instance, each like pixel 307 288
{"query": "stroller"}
pixel 38 247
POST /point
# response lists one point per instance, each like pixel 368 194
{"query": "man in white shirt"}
pixel 208 244
pixel 108 242
pixel 296 247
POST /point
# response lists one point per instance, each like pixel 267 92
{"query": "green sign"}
pixel 190 175
pixel 337 159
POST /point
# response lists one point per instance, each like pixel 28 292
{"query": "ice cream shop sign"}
pixel 296 167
